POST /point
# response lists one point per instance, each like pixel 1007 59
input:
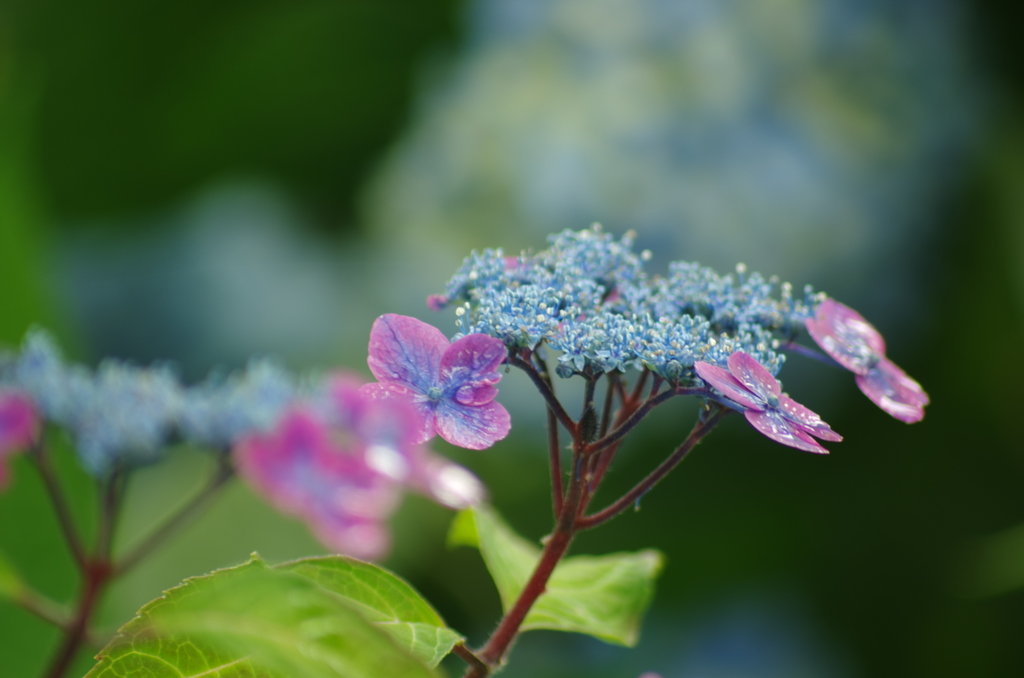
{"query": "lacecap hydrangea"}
pixel 589 297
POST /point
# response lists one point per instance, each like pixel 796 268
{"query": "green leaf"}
pixel 251 621
pixel 11 585
pixel 384 599
pixel 602 596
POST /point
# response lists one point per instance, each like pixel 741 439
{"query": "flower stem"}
pixel 42 607
pixel 96 574
pixel 199 501
pixel 555 456
pixel 493 653
pixel 60 505
pixel 545 390
pixel 620 431
pixel 701 429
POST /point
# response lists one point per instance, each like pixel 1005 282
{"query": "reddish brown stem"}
pixel 619 432
pixel 97 575
pixel 701 429
pixel 60 505
pixel 545 390
pixel 493 653
pixel 555 455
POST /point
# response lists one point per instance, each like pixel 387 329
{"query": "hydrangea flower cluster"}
pixel 122 414
pixel 588 297
pixel 333 451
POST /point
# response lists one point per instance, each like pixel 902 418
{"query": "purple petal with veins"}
pixel 452 387
pixel 755 377
pixel 406 351
pixel 475 394
pixel 774 425
pixel 728 385
pixel 475 428
pixel 473 361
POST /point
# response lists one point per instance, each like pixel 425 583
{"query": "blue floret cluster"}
pixel 588 297
pixel 125 415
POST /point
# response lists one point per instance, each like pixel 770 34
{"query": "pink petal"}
pixel 471 365
pixel 363 539
pixel 806 419
pixel 890 388
pixel 406 351
pixel 846 336
pixel 728 385
pixel 754 376
pixel 19 426
pixel 476 394
pixel 437 302
pixel 772 424
pixel 447 483
pixel 280 465
pixel 475 428
pixel 424 416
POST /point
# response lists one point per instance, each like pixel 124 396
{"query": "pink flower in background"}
pixel 341 464
pixel 758 394
pixel 302 472
pixel 451 386
pixel 390 430
pixel 19 426
pixel 855 344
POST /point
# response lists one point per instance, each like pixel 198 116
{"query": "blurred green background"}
pixel 201 182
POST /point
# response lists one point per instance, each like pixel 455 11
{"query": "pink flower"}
pixel 855 344
pixel 341 464
pixel 19 427
pixel 451 386
pixel 758 394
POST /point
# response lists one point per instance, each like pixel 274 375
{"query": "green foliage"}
pixel 602 596
pixel 252 621
pixel 10 580
pixel 384 599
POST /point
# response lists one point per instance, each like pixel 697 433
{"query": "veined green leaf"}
pixel 252 621
pixel 384 599
pixel 602 596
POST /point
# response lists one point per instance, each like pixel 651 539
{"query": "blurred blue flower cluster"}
pixel 122 414
pixel 810 136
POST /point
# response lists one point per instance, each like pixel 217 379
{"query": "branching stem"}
pixel 183 515
pixel 60 506
pixel 545 390
pixel 701 429
pixel 620 431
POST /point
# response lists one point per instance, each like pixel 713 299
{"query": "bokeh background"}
pixel 205 181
